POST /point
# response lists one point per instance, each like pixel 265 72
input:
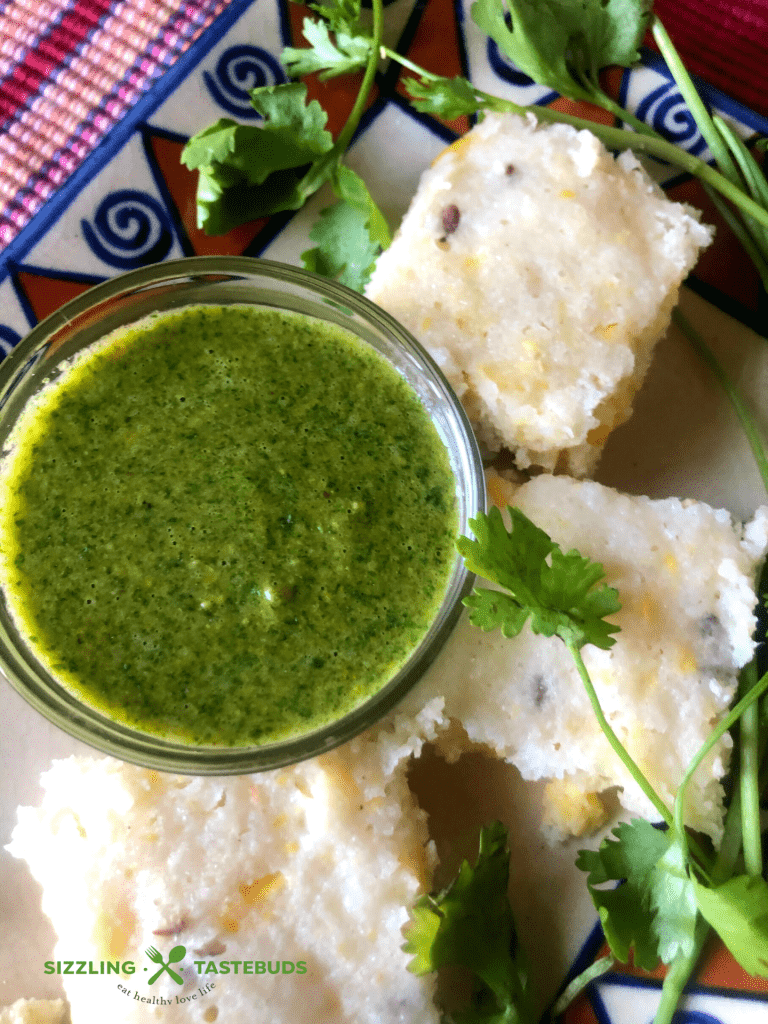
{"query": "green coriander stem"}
pixel 750 171
pixel 632 767
pixel 621 752
pixel 603 100
pixel 730 389
pixel 365 86
pixel 322 168
pixel 730 847
pixel 694 102
pixel 763 777
pixel 400 59
pixel 678 974
pixel 580 982
pixel 752 176
pixel 737 711
pixel 748 778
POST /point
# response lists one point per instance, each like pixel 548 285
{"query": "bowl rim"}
pixel 95 728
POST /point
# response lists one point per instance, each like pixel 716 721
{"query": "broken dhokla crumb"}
pixel 568 809
pixel 685 578
pixel 315 864
pixel 539 272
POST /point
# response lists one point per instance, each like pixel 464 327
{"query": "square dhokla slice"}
pixel 317 863
pixel 685 577
pixel 539 272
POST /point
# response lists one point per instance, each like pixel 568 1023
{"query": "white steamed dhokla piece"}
pixel 318 863
pixel 685 579
pixel 539 272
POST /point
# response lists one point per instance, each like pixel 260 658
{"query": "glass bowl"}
pixel 222 280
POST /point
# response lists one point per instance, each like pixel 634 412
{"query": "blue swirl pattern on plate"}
pixel 130 229
pixel 240 69
pixel 665 110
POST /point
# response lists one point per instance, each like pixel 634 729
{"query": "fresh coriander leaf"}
pixel 613 30
pixel 349 235
pixel 292 134
pixel 483 1011
pixel 344 249
pixel 348 53
pixel 351 188
pixel 213 145
pixel 250 171
pixel 673 900
pixel 287 115
pixel 223 204
pixel 244 152
pixel 493 609
pixel 423 927
pixel 443 97
pixel 341 15
pixel 738 911
pixel 558 591
pixel 226 200
pixel 470 925
pixel 625 911
pixel 564 43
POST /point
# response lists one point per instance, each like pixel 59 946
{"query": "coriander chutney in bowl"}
pixel 230 492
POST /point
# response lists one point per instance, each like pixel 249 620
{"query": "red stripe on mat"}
pixel 52 52
pixel 725 42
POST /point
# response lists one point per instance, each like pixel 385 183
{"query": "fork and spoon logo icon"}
pixel 176 954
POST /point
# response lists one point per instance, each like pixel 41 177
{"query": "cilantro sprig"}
pixel 557 591
pixel 250 171
pixel 348 51
pixel 561 593
pixel 563 44
pixel 469 924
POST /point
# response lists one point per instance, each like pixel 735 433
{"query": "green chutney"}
pixel 226 526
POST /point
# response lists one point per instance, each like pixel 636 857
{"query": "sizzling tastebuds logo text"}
pixel 176 954
pixel 250 966
pixel 89 967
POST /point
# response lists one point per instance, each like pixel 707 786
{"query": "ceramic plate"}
pixel 132 203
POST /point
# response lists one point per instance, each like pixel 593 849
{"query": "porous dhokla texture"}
pixel 317 863
pixel 34 1011
pixel 685 577
pixel 539 272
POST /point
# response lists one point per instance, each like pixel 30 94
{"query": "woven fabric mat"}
pixel 69 70
pixel 725 42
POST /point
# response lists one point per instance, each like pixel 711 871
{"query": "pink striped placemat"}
pixel 69 70
pixel 725 42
